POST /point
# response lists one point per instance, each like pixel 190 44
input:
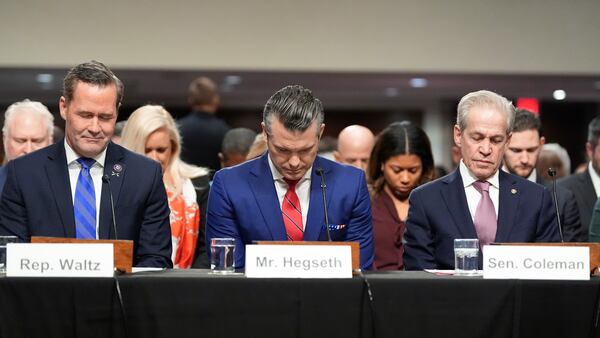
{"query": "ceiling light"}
pixel 418 82
pixel 232 80
pixel 559 94
pixel 44 78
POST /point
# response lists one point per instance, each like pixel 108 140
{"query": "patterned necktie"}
pixel 84 205
pixel 292 213
pixel 485 215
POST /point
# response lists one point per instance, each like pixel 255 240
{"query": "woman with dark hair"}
pixel 400 161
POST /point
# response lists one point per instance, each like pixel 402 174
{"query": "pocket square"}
pixel 336 226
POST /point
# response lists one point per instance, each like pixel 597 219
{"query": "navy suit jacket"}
pixel 37 201
pixel 569 213
pixel 2 178
pixel 243 204
pixel 439 213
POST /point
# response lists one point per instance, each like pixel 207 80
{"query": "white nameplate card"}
pixel 59 260
pixel 298 261
pixel 536 262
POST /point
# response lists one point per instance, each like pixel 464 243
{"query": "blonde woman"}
pixel 151 131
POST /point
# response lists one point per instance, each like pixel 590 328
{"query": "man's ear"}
pixel 62 106
pixel 457 133
pixel 589 150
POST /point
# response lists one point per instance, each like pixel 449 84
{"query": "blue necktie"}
pixel 85 201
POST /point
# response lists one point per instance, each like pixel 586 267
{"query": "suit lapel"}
pixel 316 213
pixel 588 192
pixel 263 188
pixel 454 196
pixel 60 184
pixel 507 208
pixel 114 169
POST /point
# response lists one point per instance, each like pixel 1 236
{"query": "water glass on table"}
pixel 466 256
pixel 222 258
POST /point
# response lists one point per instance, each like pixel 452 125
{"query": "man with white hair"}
pixel 354 146
pixel 28 126
pixel 477 200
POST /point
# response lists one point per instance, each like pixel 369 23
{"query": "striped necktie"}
pixel 292 213
pixel 84 205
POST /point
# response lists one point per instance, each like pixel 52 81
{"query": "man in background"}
pixel 354 146
pixel 64 190
pixel 477 200
pixel 202 132
pixel 585 186
pixel 521 158
pixel 28 126
pixel 235 147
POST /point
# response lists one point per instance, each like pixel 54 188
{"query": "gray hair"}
pixel 26 106
pixel 94 73
pixel 561 153
pixel 484 98
pixel 296 108
pixel 238 140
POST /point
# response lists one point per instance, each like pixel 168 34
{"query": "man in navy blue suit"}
pixel 64 190
pixel 477 200
pixel 278 195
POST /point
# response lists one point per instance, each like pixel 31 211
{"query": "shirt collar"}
pixel 468 178
pixel 72 156
pixel 277 176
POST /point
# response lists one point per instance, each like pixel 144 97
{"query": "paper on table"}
pixel 145 269
pixel 438 272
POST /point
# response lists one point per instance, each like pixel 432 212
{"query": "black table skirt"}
pixel 198 304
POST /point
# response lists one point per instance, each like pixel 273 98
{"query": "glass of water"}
pixel 222 259
pixel 466 252
pixel 3 241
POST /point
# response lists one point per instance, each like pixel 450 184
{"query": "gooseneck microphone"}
pixel 552 173
pixel 106 179
pixel 321 173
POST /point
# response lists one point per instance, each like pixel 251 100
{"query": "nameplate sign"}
pixel 298 261
pixel 59 260
pixel 536 262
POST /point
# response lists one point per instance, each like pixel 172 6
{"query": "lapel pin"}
pixel 513 191
pixel 116 170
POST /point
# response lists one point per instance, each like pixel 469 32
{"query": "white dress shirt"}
pixel 96 171
pixel 473 196
pixel 302 189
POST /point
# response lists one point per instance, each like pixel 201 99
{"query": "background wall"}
pixel 528 36
pixel 358 56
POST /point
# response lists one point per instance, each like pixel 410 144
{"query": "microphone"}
pixel 552 173
pixel 106 179
pixel 321 173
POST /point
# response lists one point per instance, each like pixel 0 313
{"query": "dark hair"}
pixel 296 108
pixel 94 73
pixel 399 138
pixel 526 120
pixel 202 91
pixel 594 131
pixel 237 140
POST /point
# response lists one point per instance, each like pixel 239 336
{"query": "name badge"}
pixel 298 261
pixel 59 260
pixel 536 262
